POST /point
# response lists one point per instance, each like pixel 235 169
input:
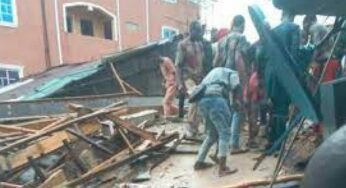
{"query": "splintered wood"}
pixel 79 147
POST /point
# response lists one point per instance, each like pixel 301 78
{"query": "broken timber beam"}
pixel 120 81
pixel 57 128
pixel 101 169
pixel 264 182
pixel 37 124
pixel 12 128
pixel 89 141
pixel 10 185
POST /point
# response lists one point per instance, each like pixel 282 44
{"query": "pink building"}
pixel 38 34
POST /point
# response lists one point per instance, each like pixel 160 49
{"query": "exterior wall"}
pixel 26 44
pixel 23 45
pixel 132 11
pixel 176 15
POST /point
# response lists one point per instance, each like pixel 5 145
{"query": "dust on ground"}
pixel 177 171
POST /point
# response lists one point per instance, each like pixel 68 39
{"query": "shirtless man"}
pixel 189 65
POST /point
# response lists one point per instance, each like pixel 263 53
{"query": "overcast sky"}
pixel 225 10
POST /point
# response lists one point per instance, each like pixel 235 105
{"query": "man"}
pixel 189 65
pixel 230 55
pixel 308 22
pixel 168 73
pixel 289 35
pixel 220 84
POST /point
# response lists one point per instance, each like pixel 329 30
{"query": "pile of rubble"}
pixel 86 147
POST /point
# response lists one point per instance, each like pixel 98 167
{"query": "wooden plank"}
pixel 132 88
pixel 54 180
pixel 266 182
pixel 12 128
pixel 48 145
pixel 10 185
pixel 58 128
pixel 55 123
pixel 133 128
pixel 37 124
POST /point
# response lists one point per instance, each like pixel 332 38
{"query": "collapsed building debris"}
pixel 81 147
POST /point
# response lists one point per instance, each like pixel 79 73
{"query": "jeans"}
pixel 217 118
pixel 235 130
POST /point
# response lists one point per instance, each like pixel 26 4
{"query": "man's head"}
pixel 308 21
pixel 287 16
pixel 196 31
pixel 238 24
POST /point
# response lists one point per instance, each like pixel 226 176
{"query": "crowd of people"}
pixel 231 83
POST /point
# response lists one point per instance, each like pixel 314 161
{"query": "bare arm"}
pixel 216 57
pixel 179 65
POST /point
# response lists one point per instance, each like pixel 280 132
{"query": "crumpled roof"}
pixel 60 81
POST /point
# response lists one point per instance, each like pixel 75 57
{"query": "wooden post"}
pixel 120 81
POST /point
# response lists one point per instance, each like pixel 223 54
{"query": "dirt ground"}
pixel 178 171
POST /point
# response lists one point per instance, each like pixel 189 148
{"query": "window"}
pixel 8 14
pixel 131 26
pixel 69 24
pixel 108 31
pixel 87 27
pixel 171 1
pixel 168 32
pixel 8 76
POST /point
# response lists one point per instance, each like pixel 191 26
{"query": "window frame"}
pixel 14 15
pixel 116 27
pixel 92 25
pixel 169 28
pixel 16 68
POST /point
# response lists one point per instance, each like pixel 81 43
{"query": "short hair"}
pixel 238 21
pixel 194 25
pixel 310 18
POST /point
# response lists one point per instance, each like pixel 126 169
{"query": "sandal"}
pixel 227 171
pixel 202 165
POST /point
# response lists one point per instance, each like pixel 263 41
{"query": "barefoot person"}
pixel 214 105
pixel 168 73
pixel 190 71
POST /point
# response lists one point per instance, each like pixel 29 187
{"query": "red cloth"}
pixel 222 33
pixel 252 91
pixel 332 70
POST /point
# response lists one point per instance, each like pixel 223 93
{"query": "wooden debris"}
pixel 13 128
pixel 51 145
pixel 57 128
pixel 54 180
pixel 264 182
pixel 113 165
pixel 10 185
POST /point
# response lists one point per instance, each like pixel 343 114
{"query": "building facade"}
pixel 38 34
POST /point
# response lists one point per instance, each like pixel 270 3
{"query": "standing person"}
pixel 189 65
pixel 230 54
pixel 308 22
pixel 289 35
pixel 168 73
pixel 220 84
